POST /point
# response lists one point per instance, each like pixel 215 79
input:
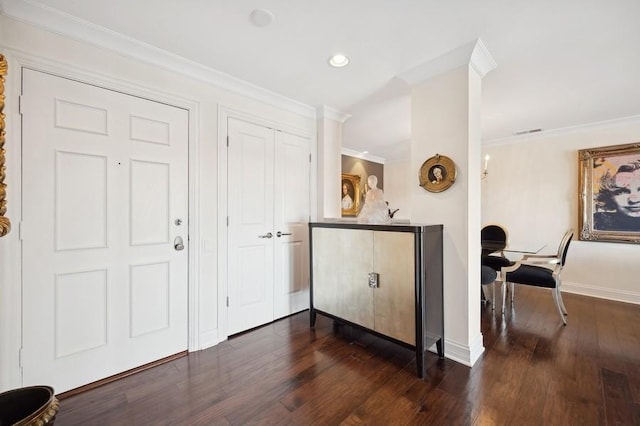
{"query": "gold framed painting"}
pixel 438 173
pixel 350 194
pixel 609 193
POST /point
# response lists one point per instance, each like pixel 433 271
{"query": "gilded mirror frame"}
pixel 5 224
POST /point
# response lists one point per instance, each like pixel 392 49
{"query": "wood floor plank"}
pixel 533 371
pixel 633 374
pixel 618 405
pixel 434 408
pixel 387 404
pixel 248 401
pixel 350 383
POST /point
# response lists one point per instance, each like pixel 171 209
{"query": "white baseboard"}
pixel 476 349
pixel 209 339
pixel 602 293
pixel 466 355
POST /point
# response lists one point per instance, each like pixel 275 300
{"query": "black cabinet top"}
pixel 397 227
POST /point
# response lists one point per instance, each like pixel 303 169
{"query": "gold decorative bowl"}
pixel 33 406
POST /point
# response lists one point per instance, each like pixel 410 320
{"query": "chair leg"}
pixel 564 308
pixel 504 295
pixel 483 297
pixel 557 298
pixel 512 289
pixel 493 296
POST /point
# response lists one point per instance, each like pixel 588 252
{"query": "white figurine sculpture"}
pixel 375 209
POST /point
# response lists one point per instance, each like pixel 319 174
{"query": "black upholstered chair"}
pixel 493 240
pixel 488 276
pixel 540 270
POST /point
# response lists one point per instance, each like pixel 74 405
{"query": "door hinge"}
pixel 20 231
pixel 227 301
pixel 227 141
pixel 309 157
pixel 20 358
pixel 227 220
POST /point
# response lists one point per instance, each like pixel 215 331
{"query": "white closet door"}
pixel 104 182
pixel 268 237
pixel 250 231
pixel 291 223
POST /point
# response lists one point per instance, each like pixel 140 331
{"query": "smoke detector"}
pixel 261 17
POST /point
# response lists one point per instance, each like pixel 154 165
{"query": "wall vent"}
pixel 526 132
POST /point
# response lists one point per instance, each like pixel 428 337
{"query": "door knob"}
pixel 178 244
pixel 280 234
pixel 267 235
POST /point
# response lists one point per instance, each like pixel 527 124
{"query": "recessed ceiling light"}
pixel 261 17
pixel 365 152
pixel 338 60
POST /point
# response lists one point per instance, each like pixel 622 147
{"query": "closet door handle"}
pixel 374 280
pixel 280 234
pixel 267 235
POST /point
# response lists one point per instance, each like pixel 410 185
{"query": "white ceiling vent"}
pixel 526 132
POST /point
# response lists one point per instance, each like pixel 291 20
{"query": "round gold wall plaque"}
pixel 438 173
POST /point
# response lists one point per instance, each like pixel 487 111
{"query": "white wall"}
pixel 445 114
pixel 398 179
pixel 329 164
pixel 532 189
pixel 22 43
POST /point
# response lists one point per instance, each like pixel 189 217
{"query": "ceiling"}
pixel 560 63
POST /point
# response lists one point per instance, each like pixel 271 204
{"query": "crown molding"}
pixel 324 111
pixel 634 119
pixel 481 60
pixel 53 20
pixel 361 155
pixel 474 54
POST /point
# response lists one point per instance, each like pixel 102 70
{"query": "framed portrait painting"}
pixel 350 194
pixel 438 173
pixel 609 197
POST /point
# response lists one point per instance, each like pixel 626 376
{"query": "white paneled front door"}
pixel 105 195
pixel 268 204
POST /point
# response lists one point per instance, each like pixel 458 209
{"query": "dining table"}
pixel 517 247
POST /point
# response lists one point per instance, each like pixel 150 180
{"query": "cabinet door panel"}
pixel 342 260
pixel 395 297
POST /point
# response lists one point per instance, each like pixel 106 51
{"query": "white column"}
pixel 445 117
pixel 329 124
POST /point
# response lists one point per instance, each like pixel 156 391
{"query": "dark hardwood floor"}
pixel 534 371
